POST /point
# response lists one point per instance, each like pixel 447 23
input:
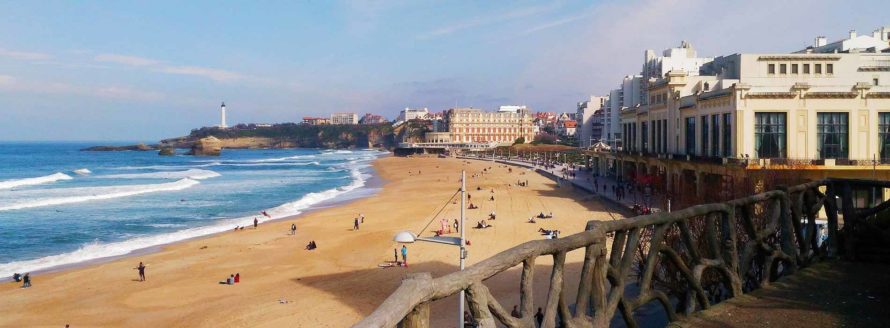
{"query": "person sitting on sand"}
pixel 478 188
pixel 532 220
pixel 541 215
pixel 311 246
pixel 17 277
pixel 491 199
pixel 237 277
pixel 549 216
pixel 545 231
pixel 491 216
pixel 229 281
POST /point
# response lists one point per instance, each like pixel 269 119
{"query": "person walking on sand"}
pixel 255 222
pixel 355 224
pixel 293 228
pixel 404 255
pixel 141 268
pixel 395 255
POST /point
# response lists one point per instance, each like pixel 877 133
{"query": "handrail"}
pixel 730 238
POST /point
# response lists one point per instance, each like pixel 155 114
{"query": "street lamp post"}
pixel 407 237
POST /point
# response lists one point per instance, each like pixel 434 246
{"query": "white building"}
pixel 222 114
pixel 344 118
pixel 876 42
pixel 512 108
pixel 684 58
pixel 408 114
pixel 584 118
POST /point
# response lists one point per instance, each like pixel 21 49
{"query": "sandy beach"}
pixel 332 286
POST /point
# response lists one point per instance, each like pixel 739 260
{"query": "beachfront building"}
pixel 344 118
pixel 585 120
pixel 309 120
pixel 472 125
pixel 819 114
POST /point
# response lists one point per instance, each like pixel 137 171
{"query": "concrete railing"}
pixel 739 245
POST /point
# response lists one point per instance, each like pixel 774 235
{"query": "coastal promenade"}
pixel 338 284
pixel 584 180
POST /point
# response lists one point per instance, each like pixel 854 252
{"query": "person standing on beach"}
pixel 395 255
pixel 404 255
pixel 355 224
pixel 293 228
pixel 141 268
pixel 255 222
pixel 26 280
pixel 361 217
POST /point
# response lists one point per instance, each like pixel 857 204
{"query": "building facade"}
pixel 408 114
pixel 344 118
pixel 585 120
pixel 316 120
pixel 818 114
pixel 470 125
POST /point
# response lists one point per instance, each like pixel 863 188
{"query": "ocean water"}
pixel 61 206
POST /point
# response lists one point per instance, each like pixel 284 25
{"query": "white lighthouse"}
pixel 222 113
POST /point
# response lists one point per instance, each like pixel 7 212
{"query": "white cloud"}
pixel 23 55
pixel 558 22
pixel 485 20
pixel 126 60
pixel 218 75
pixel 155 65
pixel 61 88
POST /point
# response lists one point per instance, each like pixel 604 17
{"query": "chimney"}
pixel 821 41
pixel 852 34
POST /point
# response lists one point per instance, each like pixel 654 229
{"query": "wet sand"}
pixel 332 286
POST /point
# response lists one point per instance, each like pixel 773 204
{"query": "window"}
pixel 704 136
pixel 817 68
pixel 829 68
pixel 715 136
pixel 793 68
pixel 644 136
pixel 769 135
pixel 884 135
pixel 727 135
pixel 831 135
pixel 664 136
pixel 707 86
pixel 806 68
pixel 874 81
pixel 690 135
pixel 783 69
pixel 771 69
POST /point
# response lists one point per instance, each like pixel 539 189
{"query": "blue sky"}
pixel 145 70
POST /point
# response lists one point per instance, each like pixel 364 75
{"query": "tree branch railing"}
pixel 683 260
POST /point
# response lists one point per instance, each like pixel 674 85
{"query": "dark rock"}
pixel 166 151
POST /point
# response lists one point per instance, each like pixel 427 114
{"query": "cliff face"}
pixel 293 136
pixel 208 146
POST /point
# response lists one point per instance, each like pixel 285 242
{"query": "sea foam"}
pixel 97 250
pixel 196 174
pixel 78 195
pixel 34 181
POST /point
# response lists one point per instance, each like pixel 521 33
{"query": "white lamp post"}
pixel 407 237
